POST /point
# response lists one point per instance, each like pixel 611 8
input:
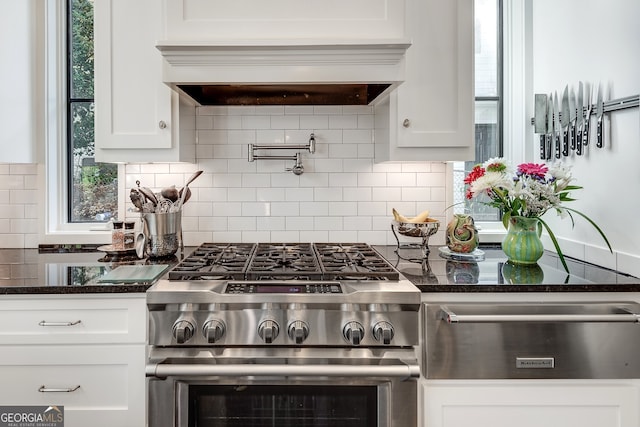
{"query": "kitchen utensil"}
pixel 572 119
pixel 558 126
pixel 170 193
pixel 148 194
pixel 549 134
pixel 580 119
pixel 136 198
pixel 600 119
pixel 541 112
pixel 565 120
pixel 185 189
pixel 587 116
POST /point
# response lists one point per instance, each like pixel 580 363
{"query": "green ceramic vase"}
pixel 522 243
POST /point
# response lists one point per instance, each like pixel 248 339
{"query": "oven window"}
pixel 282 406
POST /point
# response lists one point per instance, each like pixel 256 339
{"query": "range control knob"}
pixel 183 331
pixel 298 331
pixel 383 332
pixel 268 330
pixel 213 330
pixel 353 332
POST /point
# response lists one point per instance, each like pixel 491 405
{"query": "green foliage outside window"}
pixel 94 186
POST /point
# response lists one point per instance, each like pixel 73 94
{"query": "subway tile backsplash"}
pixel 341 196
pixel 18 205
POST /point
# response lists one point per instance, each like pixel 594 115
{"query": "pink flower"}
pixel 533 170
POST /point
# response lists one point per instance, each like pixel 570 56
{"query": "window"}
pixel 488 104
pixel 92 187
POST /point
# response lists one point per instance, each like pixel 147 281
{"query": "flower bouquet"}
pixel 524 195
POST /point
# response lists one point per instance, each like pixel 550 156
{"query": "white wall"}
pixel 597 42
pixel 342 195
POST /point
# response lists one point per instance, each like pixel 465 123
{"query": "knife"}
pixel 564 119
pixel 572 119
pixel 541 112
pixel 549 134
pixel 587 117
pixel 600 121
pixel 580 120
pixel 558 126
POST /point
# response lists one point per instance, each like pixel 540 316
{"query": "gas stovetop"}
pixel 284 261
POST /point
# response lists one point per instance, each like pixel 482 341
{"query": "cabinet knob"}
pixel 406 123
pixel 162 124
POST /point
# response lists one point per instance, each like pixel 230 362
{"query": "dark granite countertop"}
pixel 494 274
pixel 67 270
pixel 71 271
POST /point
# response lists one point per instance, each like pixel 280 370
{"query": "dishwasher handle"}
pixel 450 317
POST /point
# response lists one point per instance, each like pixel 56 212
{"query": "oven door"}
pixel 283 392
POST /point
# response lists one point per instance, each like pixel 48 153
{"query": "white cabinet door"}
pixel 431 115
pixel 97 385
pixel 546 403
pixel 138 118
pixel 18 40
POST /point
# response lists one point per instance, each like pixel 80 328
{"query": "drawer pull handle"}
pixel 45 323
pixel 45 389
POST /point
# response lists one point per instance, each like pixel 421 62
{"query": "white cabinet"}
pixel 431 115
pixel 18 47
pixel 542 403
pixel 85 353
pixel 138 117
pixel 199 20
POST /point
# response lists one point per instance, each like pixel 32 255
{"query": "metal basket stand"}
pixel 422 230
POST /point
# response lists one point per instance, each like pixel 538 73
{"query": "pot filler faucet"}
pixel 297 168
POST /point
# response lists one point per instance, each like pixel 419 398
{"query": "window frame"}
pixel 516 39
pixel 56 227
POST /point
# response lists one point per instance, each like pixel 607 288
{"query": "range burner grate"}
pixel 284 261
pixel 211 261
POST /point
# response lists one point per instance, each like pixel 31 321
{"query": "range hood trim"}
pixel 290 62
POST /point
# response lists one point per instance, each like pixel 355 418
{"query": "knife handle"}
pixel 558 145
pixel 585 133
pixel 579 142
pixel 599 132
pixel 543 143
pixel 572 136
pixel 565 143
pixel 549 143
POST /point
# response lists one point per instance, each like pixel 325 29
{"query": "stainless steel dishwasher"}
pixel 531 341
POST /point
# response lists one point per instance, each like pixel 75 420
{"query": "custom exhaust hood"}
pixel 298 72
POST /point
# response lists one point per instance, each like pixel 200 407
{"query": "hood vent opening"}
pixel 285 94
pixel 284 72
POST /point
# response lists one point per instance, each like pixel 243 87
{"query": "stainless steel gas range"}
pixel 283 335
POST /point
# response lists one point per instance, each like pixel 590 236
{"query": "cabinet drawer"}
pixel 106 383
pixel 72 320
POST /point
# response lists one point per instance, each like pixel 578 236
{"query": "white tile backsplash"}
pixel 341 196
pixel 18 205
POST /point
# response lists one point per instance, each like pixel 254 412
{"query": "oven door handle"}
pixel 450 317
pixel 405 371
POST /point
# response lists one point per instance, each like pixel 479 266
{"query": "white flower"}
pixel 491 180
